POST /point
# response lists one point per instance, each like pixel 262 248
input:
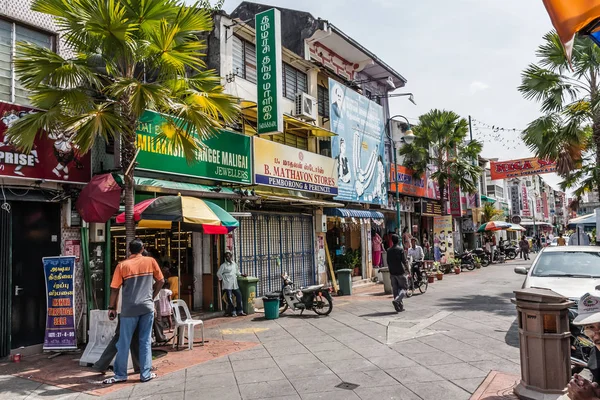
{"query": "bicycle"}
pixel 417 276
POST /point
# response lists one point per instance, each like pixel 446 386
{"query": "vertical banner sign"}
pixel 514 200
pixel 526 210
pixel 443 240
pixel 60 301
pixel 455 204
pixel 269 72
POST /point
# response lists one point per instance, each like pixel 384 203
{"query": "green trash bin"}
pixel 271 304
pixel 247 286
pixel 345 281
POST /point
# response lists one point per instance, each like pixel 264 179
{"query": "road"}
pixel 441 347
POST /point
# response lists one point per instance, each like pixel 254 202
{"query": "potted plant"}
pixel 438 274
pixel 457 263
pixel 477 261
pixel 430 277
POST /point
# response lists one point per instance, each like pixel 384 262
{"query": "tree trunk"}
pixel 128 150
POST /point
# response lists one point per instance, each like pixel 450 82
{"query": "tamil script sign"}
pixel 408 182
pixel 526 211
pixel 54 157
pixel 224 157
pixel 286 167
pixel 359 147
pixel 60 301
pixel 521 167
pixel 269 72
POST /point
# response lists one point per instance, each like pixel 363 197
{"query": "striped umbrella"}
pixel 494 226
pixel 516 228
pixel 190 212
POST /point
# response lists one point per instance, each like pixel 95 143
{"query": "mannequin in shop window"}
pixel 377 246
pixel 406 237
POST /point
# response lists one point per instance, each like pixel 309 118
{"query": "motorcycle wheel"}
pixel 325 303
pixel 283 308
pixel 511 255
pixel 423 284
pixel 485 261
pixel 470 266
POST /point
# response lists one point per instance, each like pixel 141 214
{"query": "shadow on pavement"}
pixel 494 304
pixel 378 314
pixel 512 336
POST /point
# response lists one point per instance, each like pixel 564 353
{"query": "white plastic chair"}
pixel 188 323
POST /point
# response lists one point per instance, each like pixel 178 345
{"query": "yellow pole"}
pixel 333 281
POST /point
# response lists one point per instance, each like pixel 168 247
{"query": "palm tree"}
pixel 490 213
pixel 440 145
pixel 569 130
pixel 127 56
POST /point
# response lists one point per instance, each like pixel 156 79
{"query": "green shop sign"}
pixel 269 72
pixel 225 157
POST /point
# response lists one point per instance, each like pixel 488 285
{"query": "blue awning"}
pixel 588 220
pixel 350 213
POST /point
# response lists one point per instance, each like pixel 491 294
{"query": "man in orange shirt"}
pixel 141 279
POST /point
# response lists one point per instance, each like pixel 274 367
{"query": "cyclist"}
pixel 416 254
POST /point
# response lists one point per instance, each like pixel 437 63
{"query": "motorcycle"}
pixel 511 252
pixel 466 260
pixel 316 298
pixel 417 279
pixel 581 345
pixel 482 255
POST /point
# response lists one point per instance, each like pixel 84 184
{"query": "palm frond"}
pixel 103 121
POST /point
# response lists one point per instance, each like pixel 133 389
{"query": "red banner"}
pixel 454 196
pixel 545 204
pixel 53 157
pixel 408 182
pixel 522 167
pixel 526 211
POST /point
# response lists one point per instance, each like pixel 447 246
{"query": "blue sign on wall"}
pixel 359 148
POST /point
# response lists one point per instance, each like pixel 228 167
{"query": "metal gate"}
pixel 5 282
pixel 266 245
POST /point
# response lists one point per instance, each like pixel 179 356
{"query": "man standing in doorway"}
pixel 228 273
pixel 397 266
pixel 141 280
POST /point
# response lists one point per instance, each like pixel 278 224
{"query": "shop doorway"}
pixel 35 234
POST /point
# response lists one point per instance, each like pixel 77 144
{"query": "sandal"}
pixel 152 376
pixel 113 380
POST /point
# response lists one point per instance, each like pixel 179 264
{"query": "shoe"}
pixel 242 314
pixel 396 305
pixel 234 314
pixel 400 307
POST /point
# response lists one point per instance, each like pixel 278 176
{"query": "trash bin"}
pixel 248 288
pixel 271 304
pixel 387 282
pixel 345 281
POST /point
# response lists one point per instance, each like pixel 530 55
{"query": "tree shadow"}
pixel 378 314
pixel 494 304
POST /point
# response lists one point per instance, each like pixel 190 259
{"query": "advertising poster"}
pixel 521 167
pixel 60 301
pixel 433 189
pixel 224 157
pixel 286 167
pixel 408 182
pixel 443 240
pixel 53 157
pixel 359 148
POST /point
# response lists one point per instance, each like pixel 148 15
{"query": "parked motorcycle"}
pixel 466 260
pixel 482 255
pixel 581 345
pixel 316 298
pixel 511 252
pixel 417 279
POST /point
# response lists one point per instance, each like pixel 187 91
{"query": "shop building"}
pixel 37 192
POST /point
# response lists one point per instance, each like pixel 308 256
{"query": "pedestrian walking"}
pixel 228 273
pixel 141 280
pixel 561 241
pixel 397 266
pixel 406 236
pixel 524 247
pixel 377 246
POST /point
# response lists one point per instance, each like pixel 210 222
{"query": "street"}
pixel 442 347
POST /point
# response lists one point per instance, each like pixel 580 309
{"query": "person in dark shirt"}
pixel 397 266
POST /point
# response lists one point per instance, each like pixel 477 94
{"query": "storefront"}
pixel 36 221
pixel 426 211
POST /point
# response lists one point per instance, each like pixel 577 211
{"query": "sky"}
pixel 459 55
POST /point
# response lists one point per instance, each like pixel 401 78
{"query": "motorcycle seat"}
pixel 312 288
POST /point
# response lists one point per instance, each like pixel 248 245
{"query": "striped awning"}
pixel 350 213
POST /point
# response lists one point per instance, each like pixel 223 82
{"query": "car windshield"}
pixel 580 264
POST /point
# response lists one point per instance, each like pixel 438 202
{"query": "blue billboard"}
pixel 359 148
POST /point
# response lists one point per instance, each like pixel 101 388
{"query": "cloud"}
pixel 477 86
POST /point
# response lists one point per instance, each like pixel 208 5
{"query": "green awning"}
pixel 488 199
pixel 143 184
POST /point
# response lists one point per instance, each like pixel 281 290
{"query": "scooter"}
pixel 581 345
pixel 483 256
pixel 466 260
pixel 316 298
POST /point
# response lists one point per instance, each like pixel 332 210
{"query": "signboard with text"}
pixel 269 72
pixel 454 198
pixel 224 157
pixel 286 167
pixel 526 211
pixel 515 200
pixel 443 240
pixel 54 157
pixel 521 167
pixel 359 147
pixel 60 300
pixel 430 207
pixel 408 182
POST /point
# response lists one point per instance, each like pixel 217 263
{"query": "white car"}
pixel 570 271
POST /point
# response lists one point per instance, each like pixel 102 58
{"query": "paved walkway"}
pixel 442 347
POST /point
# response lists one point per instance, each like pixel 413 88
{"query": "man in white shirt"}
pixel 416 254
pixel 228 273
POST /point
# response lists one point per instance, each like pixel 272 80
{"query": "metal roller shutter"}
pixel 266 245
pixel 5 282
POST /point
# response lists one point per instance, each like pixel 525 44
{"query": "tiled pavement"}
pixel 441 347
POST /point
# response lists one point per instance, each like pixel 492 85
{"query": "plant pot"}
pixel 457 270
pixel 356 271
pixel 478 265
pixel 430 279
pixel 439 276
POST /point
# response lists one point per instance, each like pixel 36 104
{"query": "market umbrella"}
pixel 516 228
pixel 494 226
pixel 192 213
pixel 99 200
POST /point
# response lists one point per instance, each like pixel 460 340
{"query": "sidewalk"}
pixel 442 347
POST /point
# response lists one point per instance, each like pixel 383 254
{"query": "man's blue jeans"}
pixel 128 325
pixel 231 307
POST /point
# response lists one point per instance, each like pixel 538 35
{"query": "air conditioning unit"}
pixel 306 107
